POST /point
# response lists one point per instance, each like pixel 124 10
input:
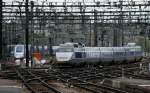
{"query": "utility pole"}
pixel 50 47
pixel 95 27
pixel 32 32
pixel 90 43
pixel 121 22
pixel 27 32
pixel 1 36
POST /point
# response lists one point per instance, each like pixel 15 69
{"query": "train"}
pixel 75 53
pixel 19 50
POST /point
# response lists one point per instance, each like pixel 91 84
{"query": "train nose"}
pixel 64 56
pixel 19 55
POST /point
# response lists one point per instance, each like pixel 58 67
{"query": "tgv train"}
pixel 74 53
pixel 19 50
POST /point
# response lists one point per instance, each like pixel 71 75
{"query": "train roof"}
pixel 70 44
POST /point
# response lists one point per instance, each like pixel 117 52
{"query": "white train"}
pixel 19 50
pixel 74 53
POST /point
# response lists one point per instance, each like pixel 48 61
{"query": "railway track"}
pixel 34 83
pixel 79 78
pixel 82 78
pixel 82 83
pixel 79 82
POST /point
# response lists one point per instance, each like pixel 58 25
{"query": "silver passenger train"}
pixel 19 50
pixel 74 53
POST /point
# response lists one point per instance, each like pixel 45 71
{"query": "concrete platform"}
pixel 130 84
pixel 131 81
pixel 10 86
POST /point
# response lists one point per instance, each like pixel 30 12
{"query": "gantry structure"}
pixel 86 21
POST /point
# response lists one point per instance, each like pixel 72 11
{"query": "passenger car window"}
pixel 65 50
pixel 19 49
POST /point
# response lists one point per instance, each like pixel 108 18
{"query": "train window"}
pixel 75 45
pixel 118 53
pixel 65 50
pixel 19 49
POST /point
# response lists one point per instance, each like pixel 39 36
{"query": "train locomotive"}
pixel 74 53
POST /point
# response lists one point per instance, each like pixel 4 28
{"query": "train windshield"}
pixel 65 50
pixel 19 49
